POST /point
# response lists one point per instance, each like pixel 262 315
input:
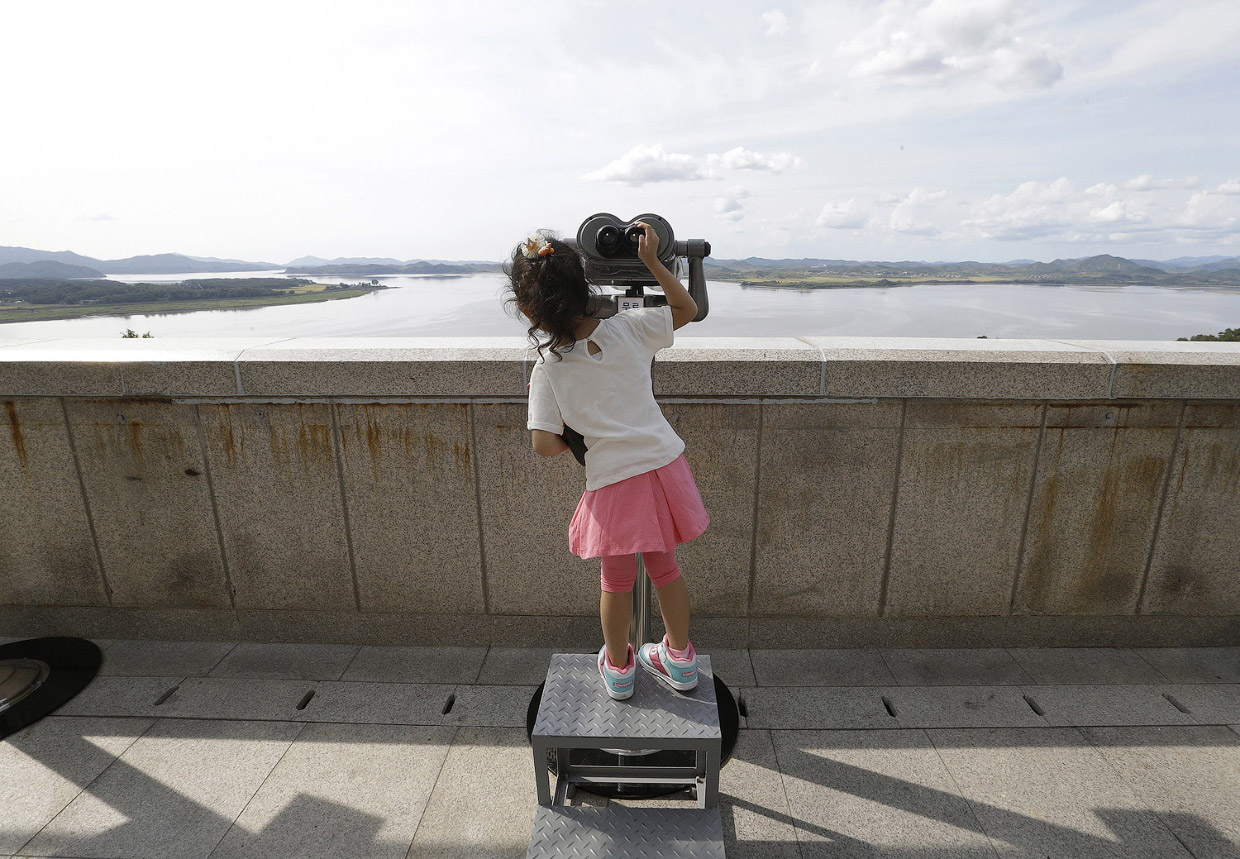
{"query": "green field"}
pixel 295 295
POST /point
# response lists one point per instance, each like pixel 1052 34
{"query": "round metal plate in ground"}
pixel 729 729
pixel 19 678
pixel 39 675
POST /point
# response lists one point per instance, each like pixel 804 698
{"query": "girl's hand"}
pixel 647 245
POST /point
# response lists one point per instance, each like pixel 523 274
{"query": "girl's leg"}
pixel 615 606
pixel 673 596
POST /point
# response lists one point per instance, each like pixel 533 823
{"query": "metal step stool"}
pixel 576 713
pixel 632 833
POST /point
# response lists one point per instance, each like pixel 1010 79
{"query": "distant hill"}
pixel 171 264
pixel 1100 269
pixel 45 269
pixel 8 255
pixel 303 262
pixel 154 264
pixel 1101 264
pixel 420 267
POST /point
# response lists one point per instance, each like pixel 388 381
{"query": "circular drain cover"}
pixel 41 674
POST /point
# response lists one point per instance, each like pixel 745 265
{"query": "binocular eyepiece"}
pixel 608 248
pixel 614 241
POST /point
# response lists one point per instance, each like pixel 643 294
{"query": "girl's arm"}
pixel 684 308
pixel 548 443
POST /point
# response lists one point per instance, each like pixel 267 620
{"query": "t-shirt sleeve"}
pixel 653 325
pixel 544 411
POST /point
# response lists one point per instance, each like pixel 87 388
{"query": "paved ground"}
pixel 197 749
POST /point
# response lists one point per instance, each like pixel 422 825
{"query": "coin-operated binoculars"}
pixel 608 247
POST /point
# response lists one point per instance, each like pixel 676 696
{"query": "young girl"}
pixel 640 495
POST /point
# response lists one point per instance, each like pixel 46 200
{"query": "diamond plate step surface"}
pixel 575 704
pixel 633 833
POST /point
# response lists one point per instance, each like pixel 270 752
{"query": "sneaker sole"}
pixel 675 684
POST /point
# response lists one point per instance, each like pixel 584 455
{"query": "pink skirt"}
pixel 651 512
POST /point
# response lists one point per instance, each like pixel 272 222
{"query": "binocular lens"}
pixel 633 234
pixel 608 239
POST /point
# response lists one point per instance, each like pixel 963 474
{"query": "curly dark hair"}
pixel 551 292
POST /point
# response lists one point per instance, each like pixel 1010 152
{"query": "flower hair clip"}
pixel 536 246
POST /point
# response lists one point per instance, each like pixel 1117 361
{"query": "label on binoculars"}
pixel 624 302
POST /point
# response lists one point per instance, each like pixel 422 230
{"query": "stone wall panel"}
pixel 527 502
pixel 824 504
pixel 279 501
pixel 1195 569
pixel 964 482
pixel 46 551
pixel 146 483
pixel 413 515
pixel 1095 507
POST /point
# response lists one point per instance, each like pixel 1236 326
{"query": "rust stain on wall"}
pixel 135 439
pixel 15 430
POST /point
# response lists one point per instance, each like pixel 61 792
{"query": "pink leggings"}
pixel 620 571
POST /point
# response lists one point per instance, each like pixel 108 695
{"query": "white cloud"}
pixel 1143 209
pixel 643 164
pixel 1211 213
pixel 1146 182
pixel 1053 209
pixel 842 216
pixel 776 23
pixel 915 214
pixel 741 158
pixel 1231 186
pixel 927 42
pixel 729 205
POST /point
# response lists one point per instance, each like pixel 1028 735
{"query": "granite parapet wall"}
pixel 863 491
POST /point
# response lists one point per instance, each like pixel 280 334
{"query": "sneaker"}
pixel 619 682
pixel 680 674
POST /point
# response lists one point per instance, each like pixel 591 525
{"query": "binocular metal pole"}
pixel 639 627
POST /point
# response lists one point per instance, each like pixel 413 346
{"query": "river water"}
pixel 471 307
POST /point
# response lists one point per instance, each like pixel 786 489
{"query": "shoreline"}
pixel 54 312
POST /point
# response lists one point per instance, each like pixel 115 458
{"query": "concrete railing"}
pixel 869 492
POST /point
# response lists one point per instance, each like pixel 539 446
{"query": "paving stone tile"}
pixel 951 666
pixel 172 794
pixel 497 706
pixel 120 696
pixel 1062 665
pixel 1047 792
pixel 961 707
pixel 1194 664
pixel 820 707
pixel 1213 704
pixel 757 822
pixel 136 658
pixel 417 664
pixel 44 766
pixel 733 666
pixel 342 790
pixel 237 698
pixel 820 667
pixel 874 793
pixel 391 703
pixel 524 665
pixel 1189 776
pixel 1107 705
pixel 483 803
pixel 287 661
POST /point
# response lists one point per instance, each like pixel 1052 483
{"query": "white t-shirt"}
pixel 607 397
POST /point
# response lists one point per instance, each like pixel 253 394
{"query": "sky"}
pixel 990 130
